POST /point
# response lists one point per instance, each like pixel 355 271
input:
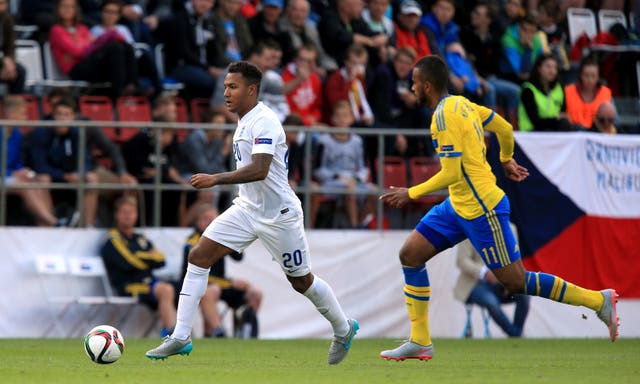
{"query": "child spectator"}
pixel 341 166
pixel 54 151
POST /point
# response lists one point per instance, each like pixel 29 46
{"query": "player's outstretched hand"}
pixel 514 171
pixel 397 197
pixel 203 180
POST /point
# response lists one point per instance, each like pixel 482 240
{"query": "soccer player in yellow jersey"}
pixel 476 209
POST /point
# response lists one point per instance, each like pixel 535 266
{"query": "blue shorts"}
pixel 490 234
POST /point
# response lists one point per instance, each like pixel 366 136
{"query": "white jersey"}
pixel 260 131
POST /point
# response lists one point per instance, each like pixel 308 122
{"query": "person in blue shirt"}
pixel 38 200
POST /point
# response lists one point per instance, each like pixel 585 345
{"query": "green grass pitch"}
pixel 216 361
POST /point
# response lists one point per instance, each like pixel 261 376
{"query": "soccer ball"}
pixel 104 344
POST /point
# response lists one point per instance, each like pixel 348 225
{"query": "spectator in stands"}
pixel 396 106
pixel 521 45
pixel 37 201
pixel 236 293
pixel 265 26
pixel 478 285
pixel 100 146
pixel 542 101
pixel 408 32
pixel 83 57
pixel 140 155
pixel 342 26
pixel 554 37
pixel 191 54
pixel 143 18
pixel 375 15
pixel 302 31
pixel 342 166
pixel 233 36
pixel 350 83
pixel 266 55
pixel 606 117
pixel 584 96
pixel 11 73
pixel 205 151
pixel 303 86
pixel 130 258
pixel 510 13
pixel 55 151
pixel 463 77
pixel 111 13
pixel 484 49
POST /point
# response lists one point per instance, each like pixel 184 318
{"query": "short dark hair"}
pixel 250 72
pixel 434 70
pixel 66 101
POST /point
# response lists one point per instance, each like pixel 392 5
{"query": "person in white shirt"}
pixel 266 208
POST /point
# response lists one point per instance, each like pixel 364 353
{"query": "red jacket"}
pixel 417 41
pixel 68 47
pixel 306 99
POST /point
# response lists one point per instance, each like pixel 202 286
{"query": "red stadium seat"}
pixel 131 108
pixel 183 117
pixel 422 169
pixel 199 105
pixel 394 171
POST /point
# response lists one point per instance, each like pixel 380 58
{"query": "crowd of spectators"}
pixel 508 55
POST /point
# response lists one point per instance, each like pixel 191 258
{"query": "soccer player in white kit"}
pixel 266 208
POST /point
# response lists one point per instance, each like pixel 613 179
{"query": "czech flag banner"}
pixel 578 213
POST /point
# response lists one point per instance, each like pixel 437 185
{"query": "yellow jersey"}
pixel 457 130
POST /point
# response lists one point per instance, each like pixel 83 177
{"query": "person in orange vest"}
pixel 583 97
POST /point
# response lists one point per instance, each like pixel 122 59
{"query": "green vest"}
pixel 549 106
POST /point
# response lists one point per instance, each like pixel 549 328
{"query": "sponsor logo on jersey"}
pixel 446 148
pixel 263 140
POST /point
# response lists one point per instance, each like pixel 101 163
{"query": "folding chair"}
pixel 52 273
pixel 581 20
pixel 88 274
pixel 467 331
pixel 131 108
pixel 29 54
pixel 608 17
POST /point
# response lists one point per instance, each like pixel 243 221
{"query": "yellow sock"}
pixel 417 300
pixel 575 295
pixel 554 288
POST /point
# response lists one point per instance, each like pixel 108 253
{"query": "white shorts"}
pixel 285 239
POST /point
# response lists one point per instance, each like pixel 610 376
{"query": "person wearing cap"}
pixel 264 26
pixel 408 33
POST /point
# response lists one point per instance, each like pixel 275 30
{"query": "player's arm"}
pixel 256 171
pixel 450 173
pixel 493 122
